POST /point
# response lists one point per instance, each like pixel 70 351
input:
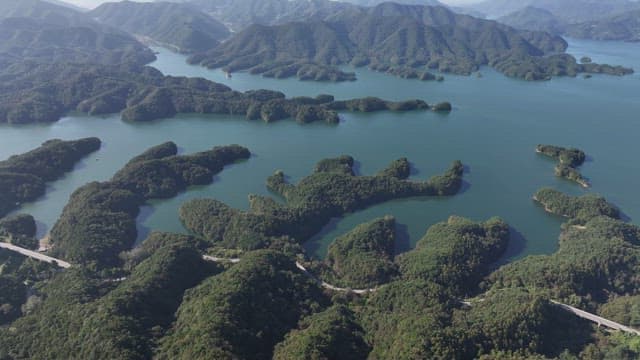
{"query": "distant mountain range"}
pixel 238 14
pixel 569 11
pixel 407 2
pixel 44 32
pixel 535 19
pixel 179 26
pixel 624 25
pixel 396 38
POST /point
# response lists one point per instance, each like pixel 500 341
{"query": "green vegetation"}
pixel 103 319
pixel 593 262
pixel 99 221
pixel 331 191
pixel 331 334
pixel 20 230
pixel 517 321
pixel 12 296
pixel 144 94
pixel 301 70
pixel 578 209
pixel 180 26
pixel 622 309
pixel 403 40
pixel 363 258
pixel 456 254
pixel 568 160
pixel 243 312
pixel 34 30
pixel 19 225
pixel 568 156
pixel 23 177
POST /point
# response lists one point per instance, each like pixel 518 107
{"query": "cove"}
pixel 494 128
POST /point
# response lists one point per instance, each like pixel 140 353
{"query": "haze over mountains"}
pixel 571 11
pixel 588 19
pixel 175 25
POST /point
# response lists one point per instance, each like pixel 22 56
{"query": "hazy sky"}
pixel 94 3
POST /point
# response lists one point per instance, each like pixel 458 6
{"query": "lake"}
pixel 494 128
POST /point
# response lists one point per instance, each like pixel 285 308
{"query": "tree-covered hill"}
pixel 23 177
pixel 625 26
pixel 44 92
pixel 393 38
pixel 178 26
pixel 47 33
pixel 534 19
pixel 570 11
pixel 238 14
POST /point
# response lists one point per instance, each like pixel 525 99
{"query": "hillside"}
pixel 44 32
pixel 238 14
pixel 399 39
pixel 42 10
pixel 410 2
pixel 570 11
pixel 620 27
pixel 179 26
pixel 534 19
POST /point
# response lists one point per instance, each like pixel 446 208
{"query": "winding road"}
pixel 600 321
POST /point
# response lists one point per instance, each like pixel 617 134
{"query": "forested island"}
pixel 239 284
pixel 99 222
pixel 569 159
pixel 23 177
pixel 122 302
pixel 331 191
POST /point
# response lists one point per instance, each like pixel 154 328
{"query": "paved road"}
pixel 331 287
pixel 35 255
pixel 219 259
pixel 580 313
pixel 597 319
pixel 303 269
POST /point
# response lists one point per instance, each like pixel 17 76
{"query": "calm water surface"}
pixel 494 128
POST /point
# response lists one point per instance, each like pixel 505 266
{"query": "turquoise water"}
pixel 493 129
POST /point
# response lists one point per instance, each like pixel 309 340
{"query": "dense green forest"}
pixel 180 26
pixel 238 284
pixel 331 191
pixel 577 208
pixel 144 94
pixel 568 161
pixel 23 177
pixel 99 222
pixel 404 40
pixel 265 307
pixel 35 30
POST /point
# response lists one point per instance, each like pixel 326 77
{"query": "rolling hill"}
pixel 179 26
pixel 398 39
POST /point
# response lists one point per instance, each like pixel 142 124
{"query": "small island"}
pixel 568 161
